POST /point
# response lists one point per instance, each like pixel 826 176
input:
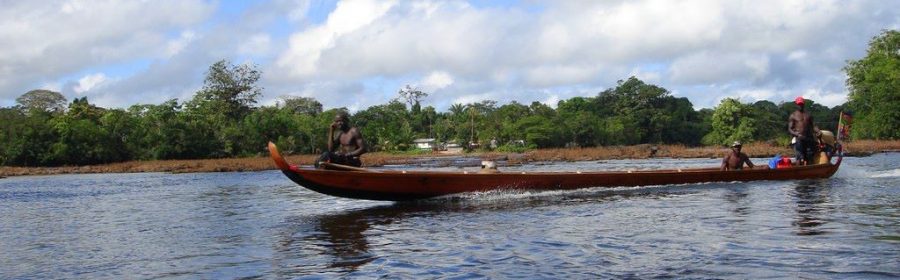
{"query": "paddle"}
pixel 335 166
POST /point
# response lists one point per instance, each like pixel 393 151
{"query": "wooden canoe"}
pixel 361 183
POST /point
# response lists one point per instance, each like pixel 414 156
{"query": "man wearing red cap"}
pixel 801 126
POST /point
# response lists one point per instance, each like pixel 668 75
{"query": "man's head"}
pixel 342 119
pixel 799 101
pixel 736 145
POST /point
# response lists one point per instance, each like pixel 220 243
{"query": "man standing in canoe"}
pixel 735 160
pixel 345 143
pixel 800 125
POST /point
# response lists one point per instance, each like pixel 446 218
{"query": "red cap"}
pixel 799 100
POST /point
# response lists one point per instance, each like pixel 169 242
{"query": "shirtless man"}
pixel 800 125
pixel 345 143
pixel 735 160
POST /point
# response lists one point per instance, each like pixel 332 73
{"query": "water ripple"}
pixel 259 225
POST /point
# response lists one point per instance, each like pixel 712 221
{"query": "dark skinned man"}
pixel 735 160
pixel 800 125
pixel 345 143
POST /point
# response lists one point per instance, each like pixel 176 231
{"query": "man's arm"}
pixel 331 138
pixel 747 160
pixel 791 123
pixel 725 162
pixel 360 143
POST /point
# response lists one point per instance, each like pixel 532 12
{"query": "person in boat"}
pixel 735 160
pixel 345 144
pixel 801 127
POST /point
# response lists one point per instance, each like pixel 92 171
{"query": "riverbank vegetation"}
pixel 222 121
pixel 756 150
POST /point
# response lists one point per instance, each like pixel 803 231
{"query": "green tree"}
pixel 387 126
pixel 301 105
pixel 477 128
pixel 771 122
pixel 17 132
pixel 640 106
pixel 508 115
pixel 874 84
pixel 579 121
pixel 272 124
pixel 211 121
pixel 731 121
pixel 161 131
pixel 424 122
pixel 540 132
pixel 120 126
pixel 43 100
pixel 412 96
pixel 456 119
pixel 230 88
pixel 82 140
pixel 683 124
pixel 822 115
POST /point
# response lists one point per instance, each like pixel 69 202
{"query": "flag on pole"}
pixel 844 122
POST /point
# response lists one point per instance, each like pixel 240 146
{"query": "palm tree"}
pixel 457 109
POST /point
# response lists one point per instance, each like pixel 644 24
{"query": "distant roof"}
pixel 423 140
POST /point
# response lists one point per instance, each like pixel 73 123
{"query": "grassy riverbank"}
pixel 856 148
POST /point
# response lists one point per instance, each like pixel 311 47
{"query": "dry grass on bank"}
pixel 173 166
pixel 758 149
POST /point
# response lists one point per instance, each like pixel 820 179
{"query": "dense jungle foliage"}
pixel 222 119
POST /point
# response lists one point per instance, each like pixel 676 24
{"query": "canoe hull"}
pixel 412 185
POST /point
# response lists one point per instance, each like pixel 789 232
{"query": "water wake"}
pixel 886 174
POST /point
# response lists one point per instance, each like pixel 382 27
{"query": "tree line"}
pixel 222 119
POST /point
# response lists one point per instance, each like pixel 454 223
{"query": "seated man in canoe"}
pixel 345 143
pixel 735 160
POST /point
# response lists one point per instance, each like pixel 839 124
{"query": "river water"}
pixel 261 225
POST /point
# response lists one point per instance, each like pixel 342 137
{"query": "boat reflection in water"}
pixel 343 237
pixel 340 243
pixel 812 202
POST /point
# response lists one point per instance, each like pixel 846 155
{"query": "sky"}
pixel 356 54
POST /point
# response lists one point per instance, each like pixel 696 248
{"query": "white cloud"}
pixel 824 97
pixel 88 82
pixel 701 49
pixel 657 28
pixel 646 76
pixel 436 81
pixel 472 98
pixel 554 75
pixel 175 46
pixel 48 40
pixel 574 44
pixel 753 95
pixel 796 55
pixel 53 86
pixel 305 48
pixel 551 101
pixel 706 67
